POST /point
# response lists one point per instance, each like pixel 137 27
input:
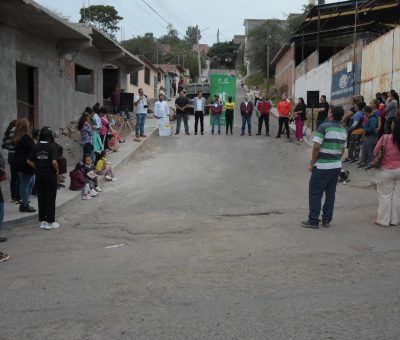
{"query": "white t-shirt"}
pixel 161 109
pixel 199 104
pixel 140 107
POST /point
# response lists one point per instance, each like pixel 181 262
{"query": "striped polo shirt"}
pixel 332 137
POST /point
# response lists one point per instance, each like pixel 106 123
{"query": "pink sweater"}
pixel 391 157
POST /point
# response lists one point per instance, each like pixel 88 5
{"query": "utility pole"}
pixel 268 60
pixel 354 47
pixel 198 51
pixel 218 36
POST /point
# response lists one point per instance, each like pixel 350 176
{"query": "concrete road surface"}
pixel 200 239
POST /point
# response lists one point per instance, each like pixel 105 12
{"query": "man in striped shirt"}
pixel 325 166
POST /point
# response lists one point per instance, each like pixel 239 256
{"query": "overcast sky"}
pixel 227 15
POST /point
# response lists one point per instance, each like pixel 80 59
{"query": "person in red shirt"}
pixel 216 110
pixel 263 110
pixel 284 110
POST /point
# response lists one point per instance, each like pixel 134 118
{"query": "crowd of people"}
pixel 38 167
pixel 371 133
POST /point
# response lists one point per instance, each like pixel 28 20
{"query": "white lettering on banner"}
pixel 340 92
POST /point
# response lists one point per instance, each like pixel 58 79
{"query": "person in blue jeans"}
pixel 141 105
pixel 24 143
pixel 325 167
pixel 246 110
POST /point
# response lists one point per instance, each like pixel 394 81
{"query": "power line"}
pixel 166 21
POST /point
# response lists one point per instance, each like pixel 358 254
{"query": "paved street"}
pixel 207 246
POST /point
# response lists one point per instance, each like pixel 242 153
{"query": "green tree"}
pixel 191 35
pixel 105 18
pixel 295 20
pixel 272 33
pixel 224 53
pixel 171 38
pixel 145 45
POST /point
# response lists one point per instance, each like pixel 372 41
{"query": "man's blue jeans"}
pixel 140 119
pixel 322 181
pixel 244 121
pixel 215 119
pixel 26 183
pixel 1 214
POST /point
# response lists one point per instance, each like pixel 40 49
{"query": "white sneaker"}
pixel 93 193
pixel 86 197
pixel 108 178
pixel 114 179
pixel 43 225
pixel 97 189
pixel 53 225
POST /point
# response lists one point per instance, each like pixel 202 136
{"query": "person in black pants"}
pixel 199 103
pixel 284 110
pixel 229 109
pixel 43 159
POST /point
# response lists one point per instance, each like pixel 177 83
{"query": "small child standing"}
pixel 103 168
pixel 91 177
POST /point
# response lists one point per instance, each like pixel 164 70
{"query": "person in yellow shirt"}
pixel 103 168
pixel 229 110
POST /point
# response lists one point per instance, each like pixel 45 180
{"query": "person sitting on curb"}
pixel 246 110
pixel 325 167
pixel 216 110
pixel 103 168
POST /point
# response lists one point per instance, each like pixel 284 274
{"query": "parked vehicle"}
pixel 191 92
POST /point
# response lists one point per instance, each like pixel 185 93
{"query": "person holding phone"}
pixel 141 112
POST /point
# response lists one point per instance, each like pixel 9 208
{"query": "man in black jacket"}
pixel 182 103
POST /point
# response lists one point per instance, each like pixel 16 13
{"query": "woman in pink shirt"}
pixel 388 177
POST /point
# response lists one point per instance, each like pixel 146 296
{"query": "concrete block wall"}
pixel 58 102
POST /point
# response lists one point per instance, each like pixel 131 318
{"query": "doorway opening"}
pixel 27 93
pixel 110 79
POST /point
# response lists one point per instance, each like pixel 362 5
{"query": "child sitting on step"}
pixel 103 168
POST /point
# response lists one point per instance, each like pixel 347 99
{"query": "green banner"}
pixel 222 85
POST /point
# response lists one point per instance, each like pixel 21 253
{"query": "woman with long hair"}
pixel 7 144
pixel 23 143
pixel 388 177
pixel 86 129
pixel 43 159
pixel 301 116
